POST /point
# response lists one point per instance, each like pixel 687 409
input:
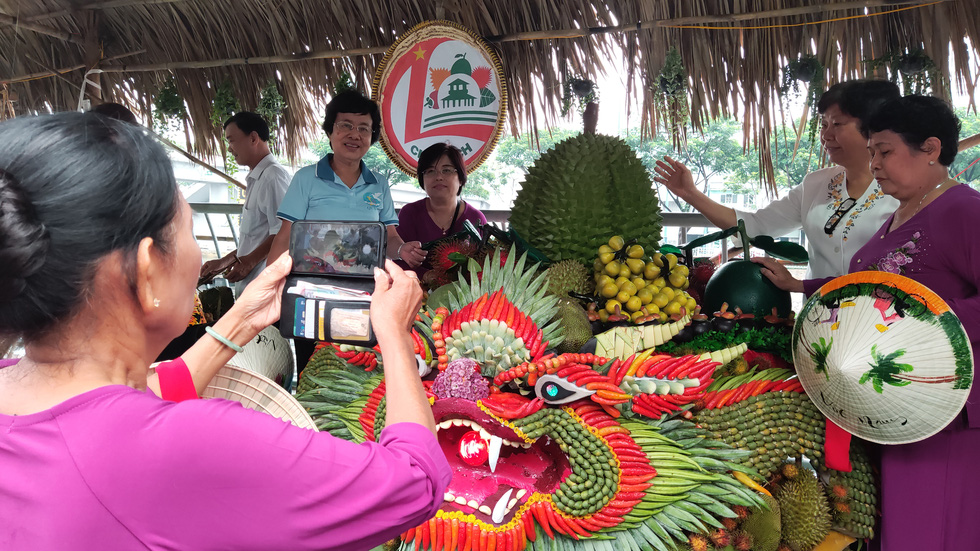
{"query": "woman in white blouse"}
pixel 839 207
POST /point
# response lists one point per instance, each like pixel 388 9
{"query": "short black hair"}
pixel 858 98
pixel 249 122
pixel 352 101
pixel 918 118
pixel 74 187
pixel 431 155
pixel 116 111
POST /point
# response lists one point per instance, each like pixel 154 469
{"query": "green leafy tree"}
pixel 970 127
pixel 520 153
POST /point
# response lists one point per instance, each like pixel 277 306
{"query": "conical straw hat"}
pixel 259 393
pixel 883 357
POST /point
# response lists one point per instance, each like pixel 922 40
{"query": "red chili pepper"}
pixel 617 503
pixel 634 487
pixel 452 533
pixel 638 470
pixel 428 534
pixel 646 410
pixel 465 540
pixel 440 539
pixel 561 524
pixel 538 509
pixel 589 525
pixel 527 519
pixel 617 511
pixel 576 525
pixel 605 521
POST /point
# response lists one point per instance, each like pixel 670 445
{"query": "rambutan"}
pixel 439 257
pixel 729 523
pixel 784 547
pixel 720 537
pixel 842 508
pixel 790 470
pixel 838 492
pixel 741 510
pixel 699 275
pixel 698 542
pixel 742 541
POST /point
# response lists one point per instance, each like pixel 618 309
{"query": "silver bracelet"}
pixel 398 252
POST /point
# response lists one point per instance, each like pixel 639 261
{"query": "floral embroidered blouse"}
pixel 809 206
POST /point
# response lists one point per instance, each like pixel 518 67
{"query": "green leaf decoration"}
pixel 710 238
pixel 783 250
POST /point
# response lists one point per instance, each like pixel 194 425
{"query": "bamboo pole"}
pixel 532 35
pixel 967 143
pixel 195 160
pixel 327 54
pixel 106 4
pixel 20 23
pixel 58 72
pixel 701 20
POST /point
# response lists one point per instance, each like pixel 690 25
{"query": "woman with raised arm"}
pixel 838 207
pixel 99 268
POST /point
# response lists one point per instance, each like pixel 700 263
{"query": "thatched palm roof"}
pixel 733 50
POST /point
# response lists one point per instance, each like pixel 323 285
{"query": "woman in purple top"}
pixel 100 263
pixel 929 488
pixel 442 174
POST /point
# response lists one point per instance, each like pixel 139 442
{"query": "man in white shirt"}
pixel 248 136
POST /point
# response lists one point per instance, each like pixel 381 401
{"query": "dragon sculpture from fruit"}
pixel 581 452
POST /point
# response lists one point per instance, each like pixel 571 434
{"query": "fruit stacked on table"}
pixel 633 287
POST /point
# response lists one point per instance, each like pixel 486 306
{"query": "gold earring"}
pixel 156 303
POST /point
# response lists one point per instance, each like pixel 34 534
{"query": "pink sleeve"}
pixel 176 383
pixel 218 476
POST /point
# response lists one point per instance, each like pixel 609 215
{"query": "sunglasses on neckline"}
pixel 838 215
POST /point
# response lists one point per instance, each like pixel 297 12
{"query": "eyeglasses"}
pixel 346 128
pixel 838 215
pixel 446 171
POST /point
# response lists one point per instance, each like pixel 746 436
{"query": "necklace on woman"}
pixel 445 230
pixel 928 193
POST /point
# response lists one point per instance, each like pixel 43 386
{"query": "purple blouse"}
pixel 928 489
pixel 116 468
pixel 415 224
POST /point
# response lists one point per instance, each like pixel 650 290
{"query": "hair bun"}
pixel 23 238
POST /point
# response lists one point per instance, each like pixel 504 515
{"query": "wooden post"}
pixel 590 119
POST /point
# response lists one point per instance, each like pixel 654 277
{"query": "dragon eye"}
pixel 556 390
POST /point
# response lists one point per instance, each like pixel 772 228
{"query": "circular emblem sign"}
pixel 440 82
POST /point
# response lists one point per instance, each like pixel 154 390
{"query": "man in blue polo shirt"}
pixel 340 187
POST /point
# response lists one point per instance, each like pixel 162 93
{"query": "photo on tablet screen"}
pixel 343 248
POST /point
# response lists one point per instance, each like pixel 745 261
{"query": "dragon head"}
pixel 576 447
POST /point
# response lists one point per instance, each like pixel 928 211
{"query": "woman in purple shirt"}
pixel 442 174
pixel 99 264
pixel 928 488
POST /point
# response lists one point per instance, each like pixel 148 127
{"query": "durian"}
pixel 569 275
pixel 585 189
pixel 805 513
pixel 578 328
pixel 764 525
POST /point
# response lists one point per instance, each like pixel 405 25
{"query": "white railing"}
pixel 498 218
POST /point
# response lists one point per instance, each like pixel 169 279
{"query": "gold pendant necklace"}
pixel 939 185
